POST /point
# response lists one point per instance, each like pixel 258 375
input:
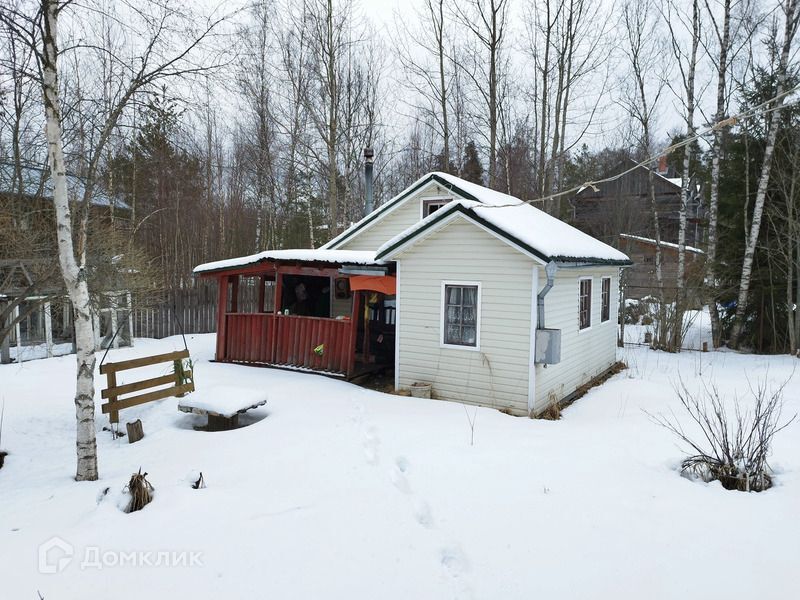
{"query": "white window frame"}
pixel 591 303
pixel 602 280
pixel 443 199
pixel 443 304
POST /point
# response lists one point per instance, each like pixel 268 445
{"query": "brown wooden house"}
pixel 640 279
pixel 31 289
pixel 620 213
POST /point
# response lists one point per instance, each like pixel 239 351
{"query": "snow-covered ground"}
pixel 335 491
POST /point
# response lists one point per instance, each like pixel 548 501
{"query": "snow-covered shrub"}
pixel 733 443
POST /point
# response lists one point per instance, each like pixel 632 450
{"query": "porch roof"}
pixel 331 257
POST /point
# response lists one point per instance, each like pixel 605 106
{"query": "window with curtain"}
pixel 586 303
pixel 461 315
pixel 605 298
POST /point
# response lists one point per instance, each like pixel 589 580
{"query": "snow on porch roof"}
pixel 524 226
pixel 338 257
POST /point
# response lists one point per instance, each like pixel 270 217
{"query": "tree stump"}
pixel 135 431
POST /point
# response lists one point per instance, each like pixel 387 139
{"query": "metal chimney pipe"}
pixel 369 158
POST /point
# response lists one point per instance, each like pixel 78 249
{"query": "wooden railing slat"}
pixel 144 361
pixel 148 397
pixel 113 392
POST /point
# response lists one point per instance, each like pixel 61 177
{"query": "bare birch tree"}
pixel 487 21
pixel 791 17
pixel 422 52
pixel 645 50
pixel 569 46
pixel 38 27
pixel 686 60
pixel 722 31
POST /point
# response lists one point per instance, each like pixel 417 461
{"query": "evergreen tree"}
pixel 472 169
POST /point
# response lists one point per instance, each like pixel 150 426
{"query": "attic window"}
pixel 585 309
pixel 461 302
pixel 431 206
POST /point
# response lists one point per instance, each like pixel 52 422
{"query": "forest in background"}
pixel 251 135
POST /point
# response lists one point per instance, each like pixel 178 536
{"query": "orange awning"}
pixel 385 284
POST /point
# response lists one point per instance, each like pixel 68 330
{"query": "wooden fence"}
pixel 194 310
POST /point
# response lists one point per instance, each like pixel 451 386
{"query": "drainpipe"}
pixel 369 157
pixel 549 270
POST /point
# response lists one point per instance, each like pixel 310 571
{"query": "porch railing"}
pixel 314 343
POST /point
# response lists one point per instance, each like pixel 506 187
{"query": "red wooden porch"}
pixel 303 315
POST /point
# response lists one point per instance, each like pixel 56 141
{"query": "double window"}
pixel 461 314
pixel 585 310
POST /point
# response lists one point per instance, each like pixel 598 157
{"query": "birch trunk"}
pixel 797 296
pixel 73 272
pixel 662 312
pixel 680 297
pixel 763 181
pixel 332 83
pixel 438 22
pixel 713 203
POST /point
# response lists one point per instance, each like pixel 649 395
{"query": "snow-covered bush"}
pixel 734 442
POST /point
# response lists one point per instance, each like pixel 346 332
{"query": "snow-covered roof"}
pixel 460 187
pixel 36 182
pixel 524 226
pixel 340 257
pixel 651 241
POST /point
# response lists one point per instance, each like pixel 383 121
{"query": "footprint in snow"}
pixel 358 414
pixel 399 480
pixel 422 513
pixel 402 463
pixel 454 560
pixel 371 445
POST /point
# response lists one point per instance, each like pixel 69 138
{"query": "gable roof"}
pixel 36 183
pixel 529 229
pixel 461 187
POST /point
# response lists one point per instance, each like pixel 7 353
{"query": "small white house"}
pixel 497 303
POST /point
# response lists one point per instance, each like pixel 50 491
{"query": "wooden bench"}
pixel 182 382
pixel 222 405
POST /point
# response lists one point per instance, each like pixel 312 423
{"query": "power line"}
pixel 751 112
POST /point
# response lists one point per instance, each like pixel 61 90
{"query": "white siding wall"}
pixel 584 354
pixel 396 221
pixel 497 375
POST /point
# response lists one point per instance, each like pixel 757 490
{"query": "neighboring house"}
pixel 450 273
pixel 624 206
pixel 31 289
pixel 640 279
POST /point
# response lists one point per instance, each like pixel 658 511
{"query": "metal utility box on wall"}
pixel 548 346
